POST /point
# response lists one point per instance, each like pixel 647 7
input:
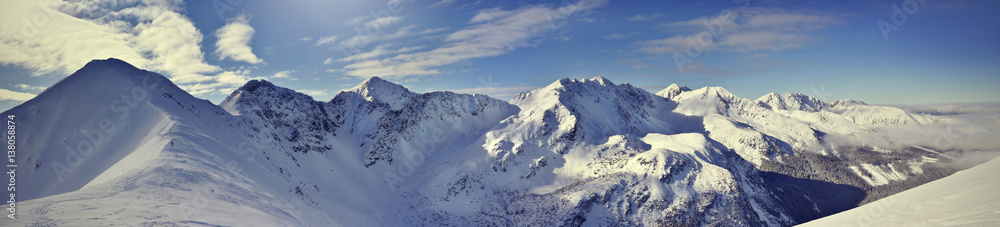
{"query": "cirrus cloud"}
pixel 492 32
pixel 749 30
pixel 638 18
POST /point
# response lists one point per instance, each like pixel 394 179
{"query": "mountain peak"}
pixel 602 81
pixel 847 102
pixel 672 91
pixel 714 91
pixel 376 83
pixel 769 96
pixel 257 92
pixel 265 88
pixel 376 89
pixel 678 87
pixel 792 101
pixel 566 87
pixel 113 62
pixel 253 85
pixel 111 68
pixel 103 73
pixel 599 80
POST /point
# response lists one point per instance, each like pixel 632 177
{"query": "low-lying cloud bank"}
pixel 970 133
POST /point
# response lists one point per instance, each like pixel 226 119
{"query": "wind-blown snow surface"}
pixel 966 198
pixel 112 144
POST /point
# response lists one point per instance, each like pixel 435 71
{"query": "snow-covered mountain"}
pixel 113 144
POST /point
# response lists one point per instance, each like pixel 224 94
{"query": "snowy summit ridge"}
pixel 377 89
pixel 576 152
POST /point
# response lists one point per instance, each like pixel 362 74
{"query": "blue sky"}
pixel 884 52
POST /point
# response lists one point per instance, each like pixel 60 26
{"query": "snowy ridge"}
pixel 881 115
pixel 847 102
pixel 576 152
pixel 792 101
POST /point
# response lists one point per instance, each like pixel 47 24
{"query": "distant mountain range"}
pixel 113 144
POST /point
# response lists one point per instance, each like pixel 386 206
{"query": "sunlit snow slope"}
pixel 966 198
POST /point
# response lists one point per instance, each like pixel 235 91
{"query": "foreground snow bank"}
pixel 967 198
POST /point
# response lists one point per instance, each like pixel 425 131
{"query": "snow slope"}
pixel 58 124
pixel 159 156
pixel 113 144
pixel 966 198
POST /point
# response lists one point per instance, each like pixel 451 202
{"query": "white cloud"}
pixel 234 78
pixel 378 52
pixel 356 20
pixel 373 31
pixel 640 66
pixel 397 2
pixel 234 41
pixel 614 36
pixel 638 18
pixel 315 93
pixel 408 49
pixel 175 42
pixel 433 30
pixel 287 74
pixel 222 83
pixel 443 3
pixel 25 87
pixel 362 40
pixel 746 31
pixel 382 22
pixel 673 44
pixel 328 61
pixel 13 95
pixel 326 40
pixel 754 41
pixel 959 133
pixel 788 21
pixel 151 34
pixel 43 48
pixel 493 32
pixel 477 2
pixel 493 14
